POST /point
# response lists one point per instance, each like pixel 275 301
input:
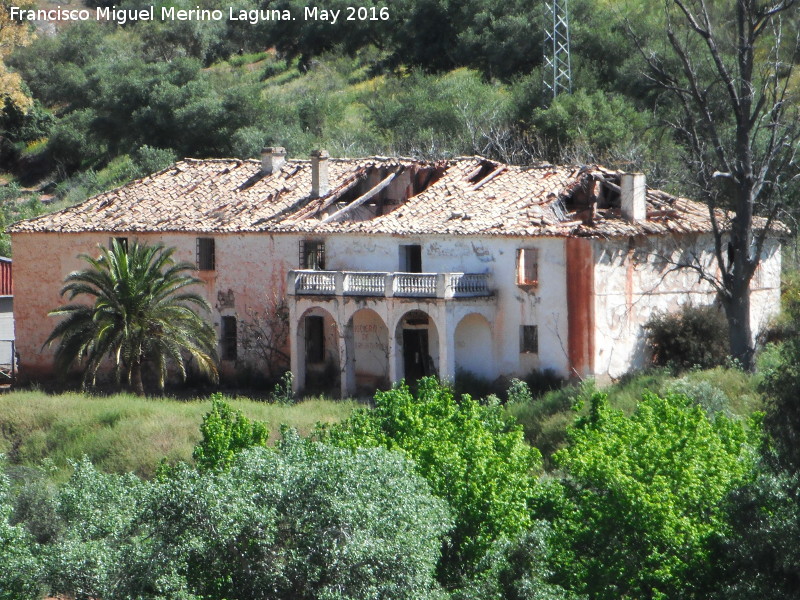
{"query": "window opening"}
pixel 312 255
pixel 206 255
pixel 529 339
pixel 528 266
pixel 411 258
pixel 229 341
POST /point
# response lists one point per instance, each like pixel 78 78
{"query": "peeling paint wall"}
pixel 630 282
pixel 635 278
pixel 252 267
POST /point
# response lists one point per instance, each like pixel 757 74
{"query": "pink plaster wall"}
pixel 252 266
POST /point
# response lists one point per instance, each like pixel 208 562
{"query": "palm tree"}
pixel 141 313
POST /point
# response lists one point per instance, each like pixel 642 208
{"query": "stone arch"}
pixel 417 343
pixel 368 348
pixel 317 343
pixel 474 351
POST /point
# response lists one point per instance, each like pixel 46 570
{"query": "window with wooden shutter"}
pixel 528 266
pixel 229 339
pixel 206 254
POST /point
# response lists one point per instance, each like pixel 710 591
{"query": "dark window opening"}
pixel 229 342
pixel 527 266
pixel 411 258
pixel 529 339
pixel 206 255
pixel 122 241
pixel 312 255
pixel 315 339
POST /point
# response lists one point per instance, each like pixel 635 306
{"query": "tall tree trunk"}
pixel 737 310
pixel 136 378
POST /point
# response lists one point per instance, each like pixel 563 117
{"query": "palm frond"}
pixel 138 311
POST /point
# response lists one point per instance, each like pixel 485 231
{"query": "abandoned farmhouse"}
pixel 385 268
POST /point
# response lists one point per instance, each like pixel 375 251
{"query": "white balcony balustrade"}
pixel 388 285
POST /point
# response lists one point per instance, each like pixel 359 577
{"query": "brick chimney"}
pixel 272 159
pixel 320 183
pixel 633 190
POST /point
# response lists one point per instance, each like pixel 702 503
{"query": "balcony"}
pixel 388 285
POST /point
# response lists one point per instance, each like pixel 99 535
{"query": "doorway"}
pixel 416 359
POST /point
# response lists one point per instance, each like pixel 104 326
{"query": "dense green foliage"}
pixel 226 432
pixel 435 79
pixel 141 313
pixel 308 521
pixel 641 506
pixel 471 454
pixel 664 499
pixel 781 382
pixel 18 569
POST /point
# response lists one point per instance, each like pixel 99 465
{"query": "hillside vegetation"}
pixel 106 104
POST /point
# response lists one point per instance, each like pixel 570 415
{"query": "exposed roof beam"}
pixel 360 200
pixel 488 178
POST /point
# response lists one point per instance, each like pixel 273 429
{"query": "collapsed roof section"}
pixel 463 196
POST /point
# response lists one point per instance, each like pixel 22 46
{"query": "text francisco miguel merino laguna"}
pixel 170 13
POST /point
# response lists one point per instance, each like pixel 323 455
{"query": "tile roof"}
pixel 464 196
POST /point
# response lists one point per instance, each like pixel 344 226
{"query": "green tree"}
pixel 642 501
pixel 141 313
pixel 19 570
pixel 92 531
pixel 781 382
pixel 307 522
pixel 760 553
pixel 226 432
pixel 472 455
pixel 516 569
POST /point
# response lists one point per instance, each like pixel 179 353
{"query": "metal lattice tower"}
pixel 557 66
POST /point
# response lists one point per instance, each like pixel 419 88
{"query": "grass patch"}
pixel 123 433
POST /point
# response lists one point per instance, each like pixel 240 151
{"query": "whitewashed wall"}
pixel 636 279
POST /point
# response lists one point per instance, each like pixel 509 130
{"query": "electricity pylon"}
pixel 557 67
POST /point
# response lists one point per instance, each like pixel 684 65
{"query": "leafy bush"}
pixel 519 392
pixel 760 551
pixel 310 521
pixel 694 336
pixel 711 399
pixel 642 504
pixel 545 419
pixel 96 511
pixel 283 392
pixel 516 570
pixel 226 432
pixel 18 568
pixel 149 159
pixel 472 455
pixel 467 382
